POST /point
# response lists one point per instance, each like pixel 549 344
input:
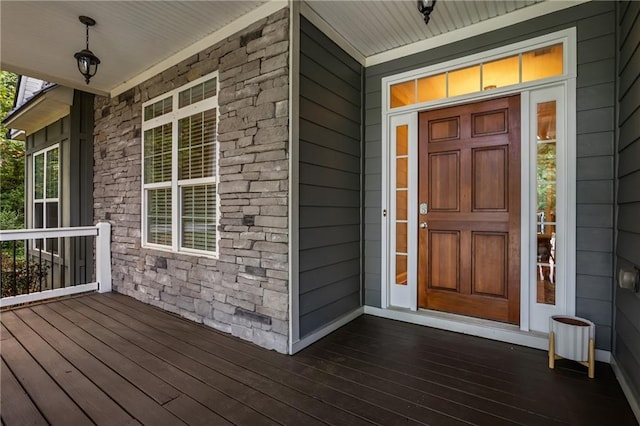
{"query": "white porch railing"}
pixel 36 243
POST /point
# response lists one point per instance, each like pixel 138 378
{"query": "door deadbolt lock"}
pixel 424 208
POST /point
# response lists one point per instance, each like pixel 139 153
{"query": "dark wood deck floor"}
pixel 108 359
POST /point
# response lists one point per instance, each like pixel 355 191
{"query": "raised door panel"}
pixel 444 182
pixel 444 260
pixel 490 258
pixel 490 179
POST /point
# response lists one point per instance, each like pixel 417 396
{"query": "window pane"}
pixel 432 88
pixel 38 177
pixel 401 269
pixel 197 93
pixel 500 73
pixel 542 63
pixel 466 80
pixel 38 215
pixel 402 140
pixel 197 146
pixel 157 154
pixel 52 173
pixel 52 222
pixel 199 217
pixel 403 94
pixel 546 170
pixel 157 109
pixel 159 216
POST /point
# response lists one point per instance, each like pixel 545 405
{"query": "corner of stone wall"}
pixel 245 290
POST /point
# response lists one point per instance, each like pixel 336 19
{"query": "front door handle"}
pixel 423 225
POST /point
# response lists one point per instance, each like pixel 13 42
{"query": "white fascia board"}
pixel 239 24
pixel 520 15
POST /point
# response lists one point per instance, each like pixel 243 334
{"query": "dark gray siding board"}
pixel 322 156
pixel 328 236
pixel 627 79
pixel 330 181
pixel 596 73
pixel 327 138
pixel 629 157
pixel 595 192
pixel 628 215
pixel 628 130
pixel 626 348
pixel 629 102
pixel 318 318
pixel 598 288
pixel 339 271
pixel 328 197
pixel 323 114
pixel 595 23
pixel 321 176
pixel 595 144
pixel 628 188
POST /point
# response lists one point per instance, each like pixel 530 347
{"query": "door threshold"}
pixel 478 327
pixel 488 329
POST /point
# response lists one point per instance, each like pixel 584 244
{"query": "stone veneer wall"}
pixel 245 291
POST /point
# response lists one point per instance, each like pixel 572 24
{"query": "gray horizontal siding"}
pixel 627 303
pixel 330 182
pixel 595 23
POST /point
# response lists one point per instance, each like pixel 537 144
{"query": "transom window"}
pixel 46 194
pixel 180 173
pixel 528 66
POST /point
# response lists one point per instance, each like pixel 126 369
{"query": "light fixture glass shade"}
pixel 87 63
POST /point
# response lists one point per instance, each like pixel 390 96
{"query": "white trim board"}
pixel 472 326
pixel 244 21
pixel 330 328
pixel 47 294
pixel 632 398
pixel 294 176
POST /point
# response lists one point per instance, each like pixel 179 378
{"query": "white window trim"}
pixel 567 80
pixel 176 184
pixel 44 200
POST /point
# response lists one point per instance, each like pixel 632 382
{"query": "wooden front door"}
pixel 469 219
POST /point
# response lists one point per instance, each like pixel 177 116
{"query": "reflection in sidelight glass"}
pixel 546 168
pixel 402 176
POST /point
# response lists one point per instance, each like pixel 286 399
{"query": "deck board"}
pixel 73 360
pixel 17 407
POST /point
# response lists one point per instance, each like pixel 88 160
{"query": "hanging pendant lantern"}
pixel 87 61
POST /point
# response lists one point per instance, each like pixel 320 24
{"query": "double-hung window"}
pixel 180 168
pixel 46 193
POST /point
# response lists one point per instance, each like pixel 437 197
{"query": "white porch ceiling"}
pixel 39 38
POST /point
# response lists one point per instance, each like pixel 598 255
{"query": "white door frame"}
pixel 394 296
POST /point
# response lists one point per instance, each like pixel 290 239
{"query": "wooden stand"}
pixel 590 363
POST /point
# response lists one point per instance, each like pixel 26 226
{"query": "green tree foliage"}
pixel 11 162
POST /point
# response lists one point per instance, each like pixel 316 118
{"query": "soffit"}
pixel 137 39
pixel 374 27
pixel 39 38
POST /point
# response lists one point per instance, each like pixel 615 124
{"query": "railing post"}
pixel 103 257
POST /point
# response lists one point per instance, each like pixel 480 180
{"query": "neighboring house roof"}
pixel 26 89
pixel 36 105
